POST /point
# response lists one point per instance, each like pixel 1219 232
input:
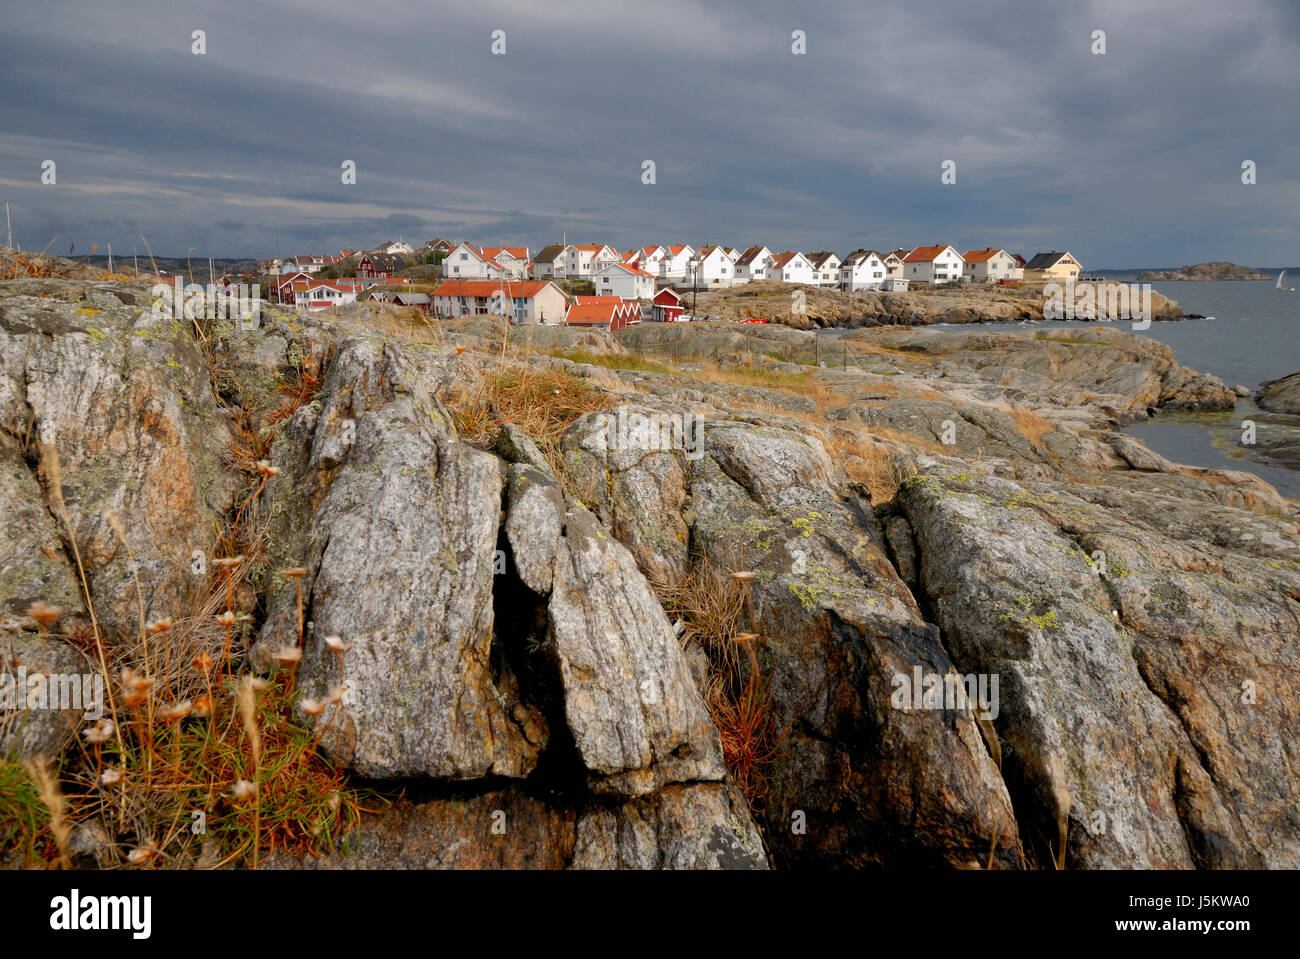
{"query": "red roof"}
pixel 593 312
pixel 924 254
pixel 674 250
pixel 635 270
pixel 525 288
pixel 580 300
pixel 781 259
pixel 980 256
pixel 492 252
pixel 309 285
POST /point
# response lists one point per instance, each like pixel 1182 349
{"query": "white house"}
pixel 314 295
pixel 710 267
pixel 548 264
pixel 676 262
pixel 790 267
pixel 468 262
pixel 826 268
pixel 512 259
pixel 894 262
pixel 753 264
pixel 649 258
pixel 863 270
pixel 621 279
pixel 991 266
pixel 583 260
pixel 394 248
pixel 524 301
pixel 312 262
pixel 933 264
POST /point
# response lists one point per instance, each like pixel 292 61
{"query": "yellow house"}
pixel 1049 267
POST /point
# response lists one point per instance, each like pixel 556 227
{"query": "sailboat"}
pixel 1285 289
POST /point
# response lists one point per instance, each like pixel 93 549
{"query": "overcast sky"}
pixel 1132 158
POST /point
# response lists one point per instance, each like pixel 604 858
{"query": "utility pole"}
pixel 695 293
pixel 110 258
pixel 9 230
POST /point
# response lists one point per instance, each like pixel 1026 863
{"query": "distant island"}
pixel 1205 271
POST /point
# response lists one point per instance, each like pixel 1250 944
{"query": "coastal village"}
pixel 597 285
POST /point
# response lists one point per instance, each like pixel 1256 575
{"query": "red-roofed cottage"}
pixel 524 301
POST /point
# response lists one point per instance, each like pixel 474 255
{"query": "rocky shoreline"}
pixel 804 307
pixel 634 652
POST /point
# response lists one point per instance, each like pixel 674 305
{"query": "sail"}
pixel 1280 277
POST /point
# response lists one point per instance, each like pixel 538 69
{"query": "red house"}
pixel 610 314
pixel 378 266
pixel 284 285
pixel 667 306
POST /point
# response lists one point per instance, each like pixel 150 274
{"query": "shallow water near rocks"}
pixel 1253 336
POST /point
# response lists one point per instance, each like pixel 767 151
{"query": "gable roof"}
pixel 628 267
pixel 604 312
pixel 819 258
pixel 858 257
pixel 384 262
pixel 926 254
pixel 514 288
pixel 492 252
pixel 781 259
pixel 481 254
pixel 982 256
pixel 314 284
pixel 751 254
pixel 548 254
pixel 1045 261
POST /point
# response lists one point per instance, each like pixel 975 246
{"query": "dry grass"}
pixel 541 402
pixel 1029 424
pixel 188 729
pixel 612 361
pixel 866 461
pixel 711 603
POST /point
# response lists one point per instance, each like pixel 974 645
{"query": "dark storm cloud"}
pixel 1129 158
